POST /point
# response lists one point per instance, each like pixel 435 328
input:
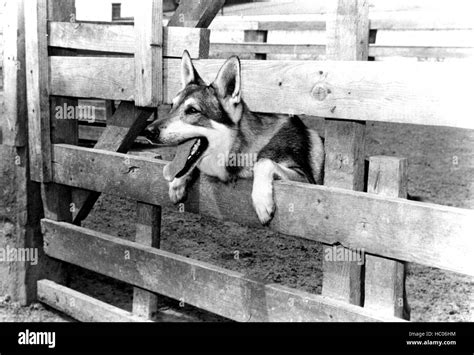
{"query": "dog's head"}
pixel 200 110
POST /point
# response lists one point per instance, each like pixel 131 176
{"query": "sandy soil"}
pixel 441 170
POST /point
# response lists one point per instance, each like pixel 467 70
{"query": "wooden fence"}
pixel 144 72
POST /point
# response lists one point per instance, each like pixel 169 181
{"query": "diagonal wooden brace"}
pixel 122 129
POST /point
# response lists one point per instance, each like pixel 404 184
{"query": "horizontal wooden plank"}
pixel 413 93
pixel 121 38
pixel 93 133
pixel 428 234
pixel 227 293
pixel 404 20
pixel 80 306
pixel 315 49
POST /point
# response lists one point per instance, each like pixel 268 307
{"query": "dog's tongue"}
pixel 179 161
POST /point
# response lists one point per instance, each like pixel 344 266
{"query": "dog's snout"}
pixel 152 132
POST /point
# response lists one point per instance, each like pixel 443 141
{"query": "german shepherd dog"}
pixel 216 116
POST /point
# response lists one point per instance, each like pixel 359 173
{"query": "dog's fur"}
pixel 283 146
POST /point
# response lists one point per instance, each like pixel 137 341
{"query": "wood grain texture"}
pixel 80 306
pixel 384 287
pixel 320 49
pixel 148 53
pixel 256 36
pixel 344 167
pixel 428 234
pixel 38 90
pixel 14 128
pixel 121 38
pixel 227 293
pixel 148 229
pixel 386 92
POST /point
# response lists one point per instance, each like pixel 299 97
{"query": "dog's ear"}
pixel 228 81
pixel 189 75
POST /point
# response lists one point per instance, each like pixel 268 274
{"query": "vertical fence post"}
pixel 348 35
pixel 145 303
pixel 256 36
pixel 148 53
pixel 385 278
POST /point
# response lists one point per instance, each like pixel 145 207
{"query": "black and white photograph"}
pixel 173 170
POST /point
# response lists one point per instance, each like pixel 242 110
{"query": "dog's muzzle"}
pixel 152 133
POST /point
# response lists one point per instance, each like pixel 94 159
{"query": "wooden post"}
pixel 148 53
pixel 256 36
pixel 348 35
pixel 145 303
pixel 385 278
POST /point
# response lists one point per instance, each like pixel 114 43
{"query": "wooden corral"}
pixel 135 68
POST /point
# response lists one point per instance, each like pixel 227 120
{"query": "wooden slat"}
pixel 121 38
pixel 317 49
pixel 14 133
pixel 148 53
pixel 38 90
pixel 384 287
pixel 80 306
pixel 433 235
pixel 413 93
pixel 227 293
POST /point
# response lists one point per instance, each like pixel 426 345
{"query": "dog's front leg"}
pixel 178 187
pixel 264 172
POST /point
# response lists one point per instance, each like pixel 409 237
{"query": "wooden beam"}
pixel 145 303
pixel 196 13
pixel 384 288
pixel 148 53
pixel 121 38
pixel 38 90
pixel 394 228
pixel 383 91
pixel 319 49
pixel 14 133
pixel 227 293
pixel 348 39
pixel 80 306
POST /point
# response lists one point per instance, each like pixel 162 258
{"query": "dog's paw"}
pixel 264 205
pixel 177 191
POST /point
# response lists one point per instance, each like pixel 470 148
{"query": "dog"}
pixel 216 116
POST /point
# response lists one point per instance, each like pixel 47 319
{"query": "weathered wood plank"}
pixel 348 39
pixel 121 38
pixel 80 306
pixel 148 231
pixel 196 13
pixel 394 228
pixel 38 90
pixel 379 91
pixel 384 288
pixel 227 293
pixel 319 49
pixel 14 133
pixel 148 53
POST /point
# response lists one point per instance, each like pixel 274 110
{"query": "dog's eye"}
pixel 192 111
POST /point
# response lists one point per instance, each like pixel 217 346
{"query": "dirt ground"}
pixel 441 170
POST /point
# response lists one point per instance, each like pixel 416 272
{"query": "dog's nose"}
pixel 151 132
